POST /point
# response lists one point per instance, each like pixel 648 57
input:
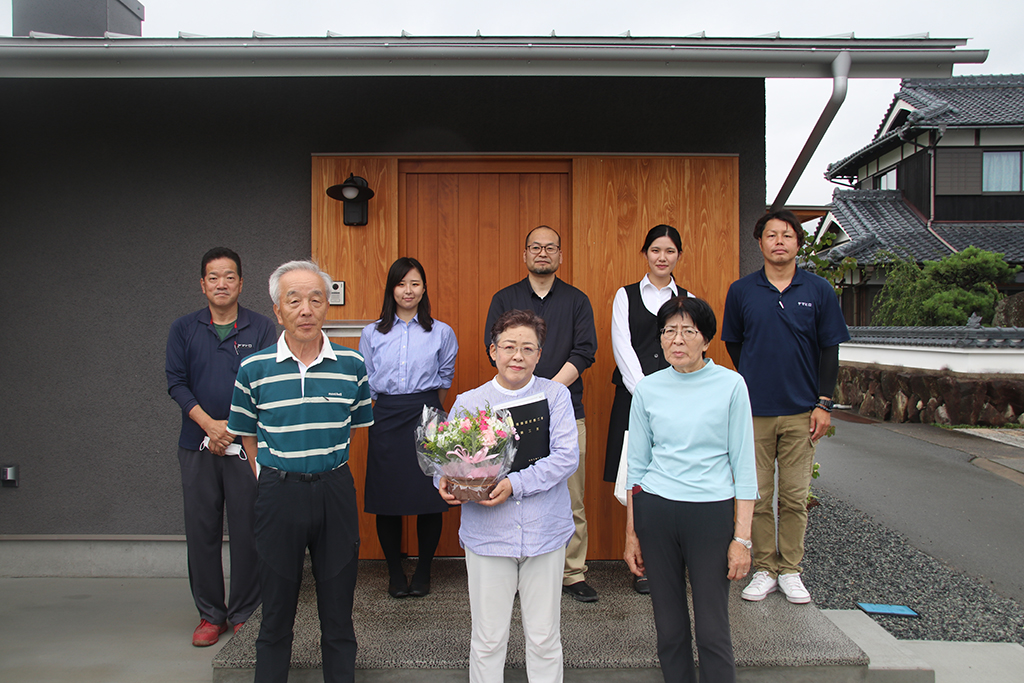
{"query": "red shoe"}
pixel 238 626
pixel 207 634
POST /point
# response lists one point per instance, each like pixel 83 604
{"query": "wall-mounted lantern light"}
pixel 355 193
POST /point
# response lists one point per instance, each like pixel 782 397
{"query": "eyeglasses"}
pixel 688 333
pixel 549 249
pixel 511 349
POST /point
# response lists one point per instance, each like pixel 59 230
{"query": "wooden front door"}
pixel 466 222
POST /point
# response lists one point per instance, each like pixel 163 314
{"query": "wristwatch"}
pixel 825 404
pixel 743 542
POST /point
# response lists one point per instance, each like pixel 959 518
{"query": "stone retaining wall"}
pixel 902 394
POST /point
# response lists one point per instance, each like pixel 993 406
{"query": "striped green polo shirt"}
pixel 301 425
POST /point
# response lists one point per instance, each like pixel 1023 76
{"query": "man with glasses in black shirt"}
pixel 568 350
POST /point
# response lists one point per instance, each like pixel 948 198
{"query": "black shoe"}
pixel 640 585
pixel 419 588
pixel 398 589
pixel 581 591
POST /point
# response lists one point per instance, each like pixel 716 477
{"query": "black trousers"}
pixel 292 515
pixel 675 537
pixel 210 484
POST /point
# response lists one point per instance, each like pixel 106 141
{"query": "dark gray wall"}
pixel 111 190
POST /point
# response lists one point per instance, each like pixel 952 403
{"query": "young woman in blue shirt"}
pixel 410 362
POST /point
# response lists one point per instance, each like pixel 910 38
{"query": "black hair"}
pixel 784 215
pixel 518 318
pixel 699 311
pixel 543 227
pixel 399 269
pixel 662 231
pixel 216 253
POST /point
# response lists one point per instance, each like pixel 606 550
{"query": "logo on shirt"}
pixel 243 346
pixel 808 304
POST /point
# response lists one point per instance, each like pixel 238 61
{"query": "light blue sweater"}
pixel 691 437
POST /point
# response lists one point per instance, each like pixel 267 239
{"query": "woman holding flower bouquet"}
pixel 515 539
pixel 410 362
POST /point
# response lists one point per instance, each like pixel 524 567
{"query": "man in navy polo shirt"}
pixel 204 350
pixel 782 328
pixel 295 404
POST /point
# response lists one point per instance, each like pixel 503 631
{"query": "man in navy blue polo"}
pixel 204 351
pixel 782 327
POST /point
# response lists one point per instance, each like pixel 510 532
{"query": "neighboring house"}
pixel 125 158
pixel 942 173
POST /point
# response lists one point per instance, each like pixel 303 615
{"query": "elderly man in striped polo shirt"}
pixel 294 406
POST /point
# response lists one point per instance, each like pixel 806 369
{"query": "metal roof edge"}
pixel 546 56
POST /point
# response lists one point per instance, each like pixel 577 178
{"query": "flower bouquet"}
pixel 472 450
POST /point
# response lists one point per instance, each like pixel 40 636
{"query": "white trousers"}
pixel 493 582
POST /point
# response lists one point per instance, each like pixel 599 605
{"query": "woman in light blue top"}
pixel 515 541
pixel 410 362
pixel 692 485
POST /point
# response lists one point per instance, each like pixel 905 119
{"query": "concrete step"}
pixel 929 660
pixel 891 661
pixel 427 640
pixel 957 662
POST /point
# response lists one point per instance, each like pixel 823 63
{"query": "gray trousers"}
pixel 210 484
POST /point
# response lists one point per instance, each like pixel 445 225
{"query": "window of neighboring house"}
pixel 1000 172
pixel 886 181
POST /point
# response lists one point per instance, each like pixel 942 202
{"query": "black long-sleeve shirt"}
pixel 571 334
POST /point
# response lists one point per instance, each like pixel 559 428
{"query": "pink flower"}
pixel 466 425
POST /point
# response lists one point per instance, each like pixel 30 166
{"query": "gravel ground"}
pixel 850 558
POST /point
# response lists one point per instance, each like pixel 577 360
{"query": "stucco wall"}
pixel 110 191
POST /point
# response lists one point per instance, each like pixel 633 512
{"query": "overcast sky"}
pixel 793 105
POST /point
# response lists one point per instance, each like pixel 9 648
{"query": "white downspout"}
pixel 840 81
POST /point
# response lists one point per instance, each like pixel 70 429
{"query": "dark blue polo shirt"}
pixel 782 336
pixel 201 368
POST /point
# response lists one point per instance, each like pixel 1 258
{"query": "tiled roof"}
pixel 1004 238
pixel 880 220
pixel 955 337
pixel 958 102
pixel 964 100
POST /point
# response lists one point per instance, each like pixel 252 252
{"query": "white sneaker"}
pixel 760 586
pixel 793 588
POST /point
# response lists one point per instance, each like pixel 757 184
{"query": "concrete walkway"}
pixel 926 483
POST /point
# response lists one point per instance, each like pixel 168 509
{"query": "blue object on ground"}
pixel 888 610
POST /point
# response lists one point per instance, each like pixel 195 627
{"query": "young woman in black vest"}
pixel 636 340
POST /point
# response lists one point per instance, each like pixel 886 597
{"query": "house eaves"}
pixel 972 102
pixel 848 167
pixel 203 57
pixel 881 220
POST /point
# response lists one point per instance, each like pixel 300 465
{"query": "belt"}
pixel 305 476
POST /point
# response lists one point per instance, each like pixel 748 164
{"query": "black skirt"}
pixel 618 424
pixel 395 484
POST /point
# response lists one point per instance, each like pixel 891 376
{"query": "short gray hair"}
pixel 309 266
